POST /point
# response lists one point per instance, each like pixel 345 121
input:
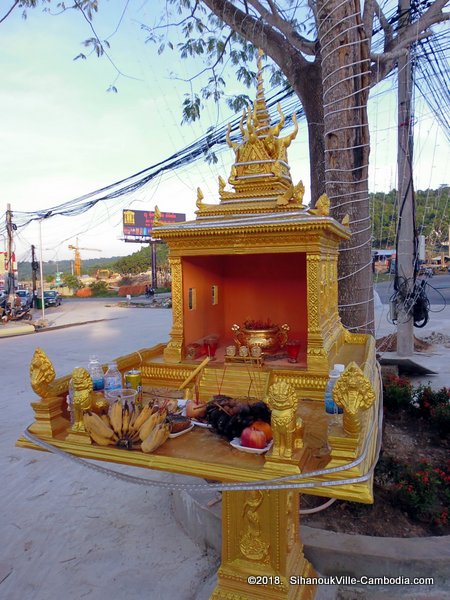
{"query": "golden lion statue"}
pixel 81 399
pixel 282 400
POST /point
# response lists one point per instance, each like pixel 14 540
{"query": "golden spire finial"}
pixel 261 116
pixel 200 197
pixel 157 217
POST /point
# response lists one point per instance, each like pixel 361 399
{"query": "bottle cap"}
pixel 339 367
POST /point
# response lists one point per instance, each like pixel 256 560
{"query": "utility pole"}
pixel 41 268
pixel 154 275
pixel 406 234
pixel 11 284
pixel 34 269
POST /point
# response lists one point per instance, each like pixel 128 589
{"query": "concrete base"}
pixel 405 365
pixel 16 328
pixel 336 554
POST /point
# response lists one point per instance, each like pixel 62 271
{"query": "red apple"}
pixel 253 438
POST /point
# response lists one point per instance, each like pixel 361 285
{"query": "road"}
pixel 69 532
pixel 438 290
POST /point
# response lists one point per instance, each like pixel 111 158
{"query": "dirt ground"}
pixel 407 443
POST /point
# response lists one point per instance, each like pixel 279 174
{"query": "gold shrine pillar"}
pixel 173 353
pixel 317 358
pixel 262 555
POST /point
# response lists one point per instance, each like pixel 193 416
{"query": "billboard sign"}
pixel 139 223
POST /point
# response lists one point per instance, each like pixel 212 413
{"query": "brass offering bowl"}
pixel 270 340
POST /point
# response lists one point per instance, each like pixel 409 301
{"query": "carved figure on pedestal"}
pixel 354 393
pixel 82 388
pixel 42 373
pixel 251 544
pixel 282 400
pixel 322 207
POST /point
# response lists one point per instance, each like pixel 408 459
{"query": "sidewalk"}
pixel 436 358
pixel 71 532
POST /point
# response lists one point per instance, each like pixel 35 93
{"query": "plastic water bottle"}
pixel 330 406
pixel 96 373
pixel 69 401
pixel 113 378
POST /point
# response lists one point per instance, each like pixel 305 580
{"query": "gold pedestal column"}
pixel 49 418
pixel 262 555
pixel 173 353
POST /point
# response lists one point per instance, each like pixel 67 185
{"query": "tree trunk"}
pixel 345 80
pixel 311 99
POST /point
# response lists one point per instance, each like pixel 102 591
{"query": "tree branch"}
pixel 258 33
pixel 174 25
pixel 431 16
pixel 385 62
pixel 210 67
pixel 385 25
pixel 9 11
pixel 273 18
pixel 367 19
pixel 118 71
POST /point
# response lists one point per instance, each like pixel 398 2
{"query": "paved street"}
pixel 68 532
pixel 438 289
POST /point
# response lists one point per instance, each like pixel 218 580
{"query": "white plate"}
pixel 236 443
pixel 175 435
pixel 201 424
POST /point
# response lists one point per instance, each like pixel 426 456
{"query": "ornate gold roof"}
pixel 261 195
pixel 260 178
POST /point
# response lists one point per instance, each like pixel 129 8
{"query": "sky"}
pixel 63 135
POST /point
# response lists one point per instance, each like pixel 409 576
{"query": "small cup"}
pixel 243 351
pixel 293 350
pixel 124 395
pixel 255 351
pixel 231 350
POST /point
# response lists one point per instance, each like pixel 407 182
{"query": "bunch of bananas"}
pixel 125 427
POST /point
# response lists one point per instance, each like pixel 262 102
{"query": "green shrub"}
pixel 397 392
pixel 433 405
pixel 423 492
pixel 99 288
pixel 440 419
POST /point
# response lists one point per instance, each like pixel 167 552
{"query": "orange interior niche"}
pixel 221 290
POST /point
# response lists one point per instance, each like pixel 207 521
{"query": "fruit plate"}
pixel 236 443
pixel 201 424
pixel 175 435
pixel 195 421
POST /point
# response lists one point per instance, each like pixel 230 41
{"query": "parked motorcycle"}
pixel 17 312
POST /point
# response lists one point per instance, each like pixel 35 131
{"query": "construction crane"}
pixel 77 259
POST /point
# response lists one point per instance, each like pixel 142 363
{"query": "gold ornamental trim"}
pixel 219 229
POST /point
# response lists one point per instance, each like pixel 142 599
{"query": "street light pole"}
pixel 11 281
pixel 41 269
